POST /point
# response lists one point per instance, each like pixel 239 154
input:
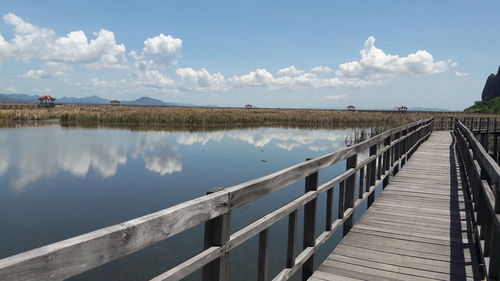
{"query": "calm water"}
pixel 58 182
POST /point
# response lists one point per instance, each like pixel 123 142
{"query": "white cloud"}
pixel 290 71
pixel 377 65
pixel 201 79
pixel 147 69
pixel 259 77
pixel 338 97
pixel 461 74
pixel 322 69
pixel 5 48
pixel 51 70
pixel 165 48
pixel 33 42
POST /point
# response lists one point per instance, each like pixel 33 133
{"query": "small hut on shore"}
pixel 248 106
pixel 46 101
pixel 402 108
pixel 115 102
pixel 351 108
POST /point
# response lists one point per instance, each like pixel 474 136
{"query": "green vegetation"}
pixel 490 106
pixel 192 116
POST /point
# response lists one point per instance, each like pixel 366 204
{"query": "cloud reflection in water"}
pixel 43 152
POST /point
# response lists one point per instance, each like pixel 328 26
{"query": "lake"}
pixel 57 182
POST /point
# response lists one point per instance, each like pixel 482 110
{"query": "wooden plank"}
pixel 417 229
pixel 413 262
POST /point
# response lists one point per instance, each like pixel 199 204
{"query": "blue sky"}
pixel 371 54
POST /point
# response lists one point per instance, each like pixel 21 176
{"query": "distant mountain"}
pixel 144 101
pixel 86 100
pixel 18 98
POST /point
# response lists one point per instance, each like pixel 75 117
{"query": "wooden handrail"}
pixel 73 256
pixel 482 180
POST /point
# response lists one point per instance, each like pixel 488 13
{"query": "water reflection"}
pixel 284 138
pixel 64 181
pixel 44 152
pixel 36 153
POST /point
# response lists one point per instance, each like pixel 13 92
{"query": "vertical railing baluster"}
pixel 350 185
pixel 387 160
pixel 341 209
pixel 309 224
pixel 263 264
pixel 396 153
pixel 379 167
pixel 217 231
pixel 292 231
pixel 361 182
pixel 329 209
pixel 402 148
pixel 371 181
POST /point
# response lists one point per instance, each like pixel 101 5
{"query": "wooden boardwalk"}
pixel 419 228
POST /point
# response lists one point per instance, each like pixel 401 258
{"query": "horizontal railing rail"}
pixel 482 178
pixel 388 152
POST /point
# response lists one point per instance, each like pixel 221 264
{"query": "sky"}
pixel 322 54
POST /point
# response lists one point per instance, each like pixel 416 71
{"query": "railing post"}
pixel 263 263
pixel 292 230
pixel 403 147
pixel 350 185
pixel 387 160
pixel 371 181
pixel 217 231
pixel 396 154
pixel 309 224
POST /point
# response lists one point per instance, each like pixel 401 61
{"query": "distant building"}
pixel 46 101
pixel 248 106
pixel 115 102
pixel 402 108
pixel 351 108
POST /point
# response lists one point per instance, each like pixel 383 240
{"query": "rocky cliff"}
pixel 492 87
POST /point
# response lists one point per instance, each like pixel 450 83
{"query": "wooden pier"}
pixel 438 217
pixel 419 229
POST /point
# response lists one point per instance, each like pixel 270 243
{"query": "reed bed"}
pixel 194 116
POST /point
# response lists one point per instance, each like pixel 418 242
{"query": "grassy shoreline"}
pixel 195 116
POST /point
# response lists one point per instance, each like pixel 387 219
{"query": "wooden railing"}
pixel 482 179
pixel 387 152
pixel 475 124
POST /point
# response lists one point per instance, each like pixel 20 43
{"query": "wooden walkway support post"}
pixel 292 231
pixel 396 153
pixel 371 175
pixel 350 185
pixel 387 160
pixel 217 232
pixel 263 263
pixel 311 184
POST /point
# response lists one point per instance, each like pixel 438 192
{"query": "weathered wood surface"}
pixel 419 228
